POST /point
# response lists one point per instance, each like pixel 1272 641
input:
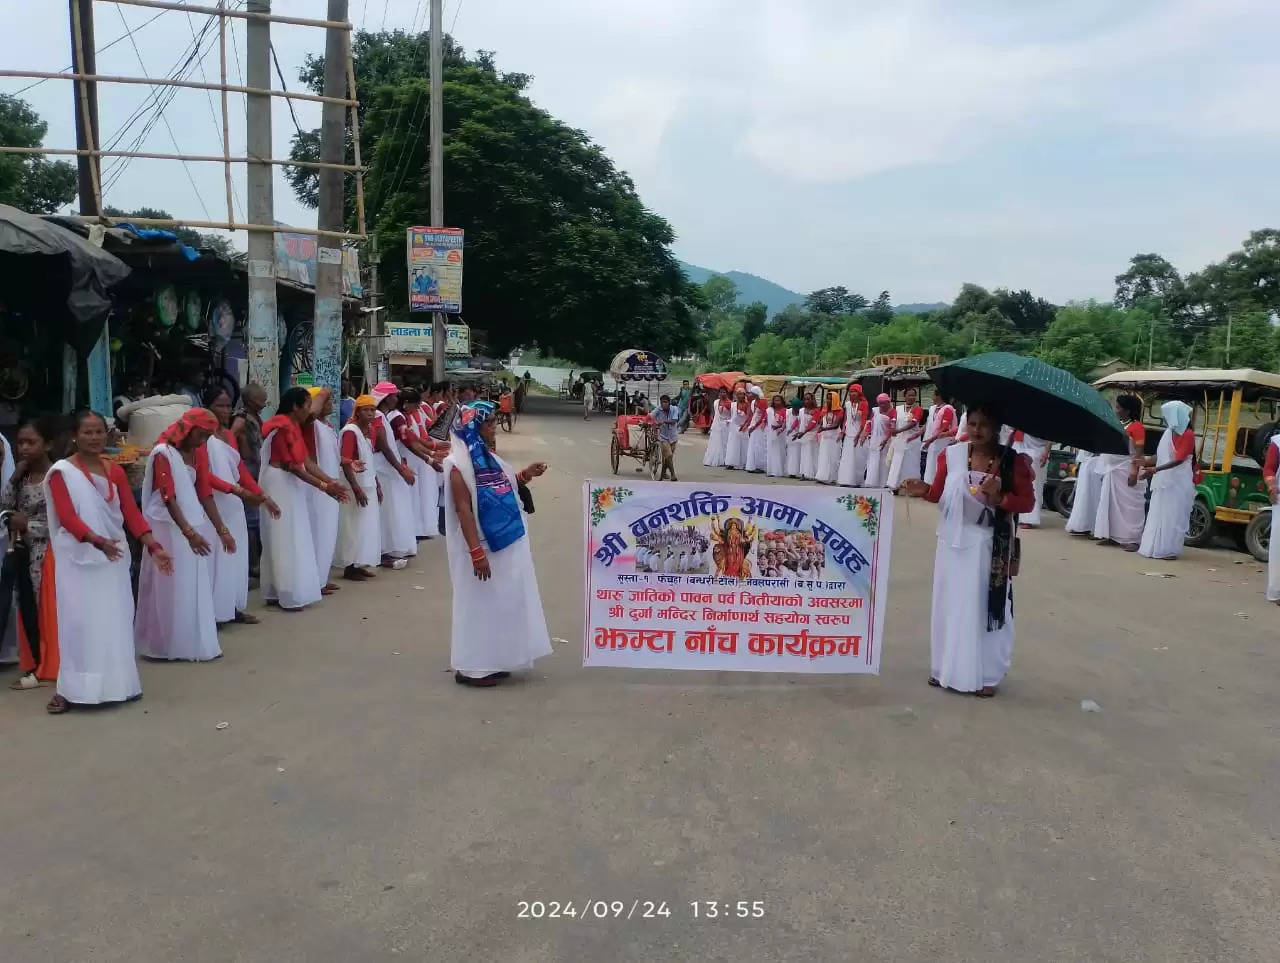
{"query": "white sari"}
pixel 230 569
pixel 397 513
pixel 323 509
pixel 735 447
pixel 1035 449
pixel 95 598
pixel 877 450
pixel 1173 492
pixel 498 625
pixel 938 445
pixel 828 450
pixel 288 573
pixel 758 441
pixel 1084 503
pixel 809 444
pixel 1121 506
pixel 426 491
pixel 963 654
pixel 853 456
pixel 904 451
pixel 796 422
pixel 175 618
pixel 776 457
pixel 718 437
pixel 359 528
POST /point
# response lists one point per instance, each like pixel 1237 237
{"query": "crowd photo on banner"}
pixel 101 569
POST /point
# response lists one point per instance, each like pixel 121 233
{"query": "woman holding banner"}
pixel 498 622
pixel 980 488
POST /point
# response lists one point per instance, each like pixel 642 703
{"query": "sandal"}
pixel 484 682
pixel 57 706
pixel 25 681
pixel 935 683
pixel 986 692
pixel 244 618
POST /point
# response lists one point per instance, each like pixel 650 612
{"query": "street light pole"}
pixel 331 208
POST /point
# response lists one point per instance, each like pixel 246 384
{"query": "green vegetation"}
pixel 560 250
pixel 29 181
pixel 1223 315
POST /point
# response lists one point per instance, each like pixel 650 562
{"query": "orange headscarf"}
pixel 177 432
pixel 364 401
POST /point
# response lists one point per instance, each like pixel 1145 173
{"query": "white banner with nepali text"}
pixel 752 578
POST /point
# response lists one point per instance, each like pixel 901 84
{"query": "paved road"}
pixel 362 807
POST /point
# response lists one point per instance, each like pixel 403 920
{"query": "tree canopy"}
pixel 31 181
pixel 560 251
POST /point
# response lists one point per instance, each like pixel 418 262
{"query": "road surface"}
pixel 360 806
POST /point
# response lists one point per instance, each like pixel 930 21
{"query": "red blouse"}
pixel 350 448
pixel 1272 464
pixel 1137 434
pixel 946 421
pixel 1184 445
pixel 247 481
pixel 206 483
pixel 288 449
pixel 1021 499
pixel 66 509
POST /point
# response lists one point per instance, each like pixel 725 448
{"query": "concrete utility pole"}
pixel 84 61
pixel 374 342
pixel 264 340
pixel 332 210
pixel 439 332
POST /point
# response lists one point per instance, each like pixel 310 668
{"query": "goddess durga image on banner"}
pixel 732 541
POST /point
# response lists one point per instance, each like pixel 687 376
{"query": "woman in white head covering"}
pixel 1173 487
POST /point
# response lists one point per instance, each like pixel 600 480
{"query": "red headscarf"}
pixel 192 418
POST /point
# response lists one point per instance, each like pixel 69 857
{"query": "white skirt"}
pixel 714 457
pixel 359 533
pixel 794 450
pixel 95 630
pixel 808 457
pixel 1032 517
pixel 829 457
pixel 876 467
pixel 1084 504
pixel 288 572
pixel 1120 508
pixel 231 569
pixel 175 618
pixel 399 524
pixel 758 450
pixel 426 494
pixel 1273 565
pixel 1169 516
pixel 323 512
pixel 936 449
pixel 853 464
pixel 735 449
pixel 963 655
pixel 776 460
pixel 904 462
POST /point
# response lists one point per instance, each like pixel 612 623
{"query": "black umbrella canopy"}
pixel 1036 398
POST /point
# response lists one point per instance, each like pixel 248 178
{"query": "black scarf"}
pixel 1002 524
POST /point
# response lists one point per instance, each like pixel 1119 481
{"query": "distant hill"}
pixel 920 308
pixel 774 296
pixel 750 288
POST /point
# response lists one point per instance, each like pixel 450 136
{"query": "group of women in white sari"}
pixel 845 443
pixel 323 505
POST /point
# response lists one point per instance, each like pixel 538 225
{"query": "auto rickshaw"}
pixel 1234 416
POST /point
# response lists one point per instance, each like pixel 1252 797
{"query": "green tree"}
pixel 1253 344
pixel 834 301
pixel 560 249
pixel 881 310
pixel 1028 313
pixel 754 318
pixel 1148 276
pixel 726 346
pixel 30 181
pixel 771 354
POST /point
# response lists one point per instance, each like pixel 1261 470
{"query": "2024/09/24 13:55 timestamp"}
pixel 711 909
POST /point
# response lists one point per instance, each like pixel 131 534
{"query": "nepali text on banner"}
pixel 755 578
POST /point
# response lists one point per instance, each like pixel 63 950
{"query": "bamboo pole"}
pixel 215 225
pixel 226 125
pixel 167 82
pixel 241 14
pixel 95 159
pixel 152 155
pixel 355 136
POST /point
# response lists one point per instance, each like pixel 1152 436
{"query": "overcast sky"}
pixel 903 144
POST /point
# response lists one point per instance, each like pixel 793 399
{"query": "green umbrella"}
pixel 1036 398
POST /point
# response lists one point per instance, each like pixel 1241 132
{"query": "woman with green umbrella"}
pixel 980 487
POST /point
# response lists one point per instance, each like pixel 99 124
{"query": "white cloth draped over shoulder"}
pixel 94 595
pixel 717 438
pixel 776 458
pixel 828 467
pixel 175 618
pixel 287 572
pixel 396 512
pixel 938 445
pixel 426 493
pixel 1084 503
pixel 323 509
pixel 230 569
pixel 498 625
pixel 963 654
pixel 359 527
pixel 853 456
pixel 1173 492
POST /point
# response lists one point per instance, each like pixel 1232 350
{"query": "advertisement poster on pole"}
pixel 435 269
pixel 749 578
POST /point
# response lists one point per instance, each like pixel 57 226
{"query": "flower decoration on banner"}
pixel 603 499
pixel 867 509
